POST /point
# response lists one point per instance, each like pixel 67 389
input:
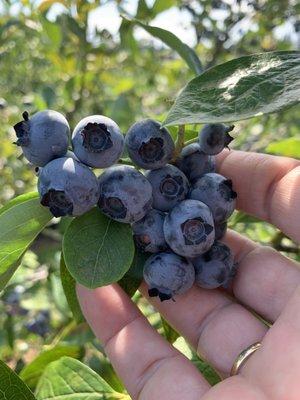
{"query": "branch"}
pixel 179 142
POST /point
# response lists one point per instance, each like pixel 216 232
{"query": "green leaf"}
pixel 32 372
pixel 162 5
pixel 134 276
pixel 21 220
pixel 185 52
pixel 53 32
pixel 69 286
pixel 97 250
pixel 240 89
pixel 100 364
pixel 170 334
pixel 69 379
pixel 288 147
pixel 206 370
pixel 143 11
pixel 11 386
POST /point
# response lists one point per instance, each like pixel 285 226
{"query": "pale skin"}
pixel 217 326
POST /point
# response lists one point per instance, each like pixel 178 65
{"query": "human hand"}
pixel 217 326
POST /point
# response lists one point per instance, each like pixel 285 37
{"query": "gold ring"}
pixel 242 357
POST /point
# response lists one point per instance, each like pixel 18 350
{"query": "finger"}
pixel 147 364
pixel 265 279
pixel 275 366
pixel 218 328
pixel 267 186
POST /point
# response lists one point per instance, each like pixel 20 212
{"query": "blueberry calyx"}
pixel 152 150
pixel 154 292
pixel 227 184
pixel 22 130
pixel 195 231
pixel 142 241
pixel 58 203
pixel 113 206
pixel 171 186
pixel 96 137
pixel 228 139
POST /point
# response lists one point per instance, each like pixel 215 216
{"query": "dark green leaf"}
pixel 170 334
pixel 97 250
pixel 69 379
pixel 240 89
pixel 33 371
pixel 9 330
pixel 288 147
pixel 11 386
pixel 21 220
pixel 100 364
pixel 134 276
pixel 185 52
pixel 126 35
pixel 143 11
pixel 69 285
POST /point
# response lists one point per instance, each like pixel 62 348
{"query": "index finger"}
pixel 267 187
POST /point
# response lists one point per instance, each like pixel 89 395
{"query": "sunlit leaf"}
pixel 239 89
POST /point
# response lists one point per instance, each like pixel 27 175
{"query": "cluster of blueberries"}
pixel 178 208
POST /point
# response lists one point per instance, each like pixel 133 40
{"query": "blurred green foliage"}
pixel 50 57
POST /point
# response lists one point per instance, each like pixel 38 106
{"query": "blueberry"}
pixel 215 191
pixel 149 233
pixel 43 137
pixel 67 187
pixel 194 163
pixel 40 324
pixel 97 141
pixel 169 186
pixel 167 275
pixel 149 145
pixel 220 230
pixel 213 138
pixel 214 268
pixel 189 228
pixel 125 194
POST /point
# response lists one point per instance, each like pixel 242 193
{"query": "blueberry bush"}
pixel 109 174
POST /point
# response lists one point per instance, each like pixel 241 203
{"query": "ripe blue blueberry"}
pixel 125 194
pixel 43 137
pixel 149 145
pixel 97 141
pixel 220 230
pixel 189 228
pixel 40 324
pixel 67 187
pixel 148 232
pixel 214 268
pixel 169 186
pixel 167 275
pixel 213 138
pixel 217 193
pixel 194 163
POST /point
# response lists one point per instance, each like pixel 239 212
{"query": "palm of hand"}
pixel 218 326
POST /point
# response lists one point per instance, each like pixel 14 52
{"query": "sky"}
pixel 175 20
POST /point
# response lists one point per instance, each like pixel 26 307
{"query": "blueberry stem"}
pixel 179 142
pixel 195 139
pixel 126 161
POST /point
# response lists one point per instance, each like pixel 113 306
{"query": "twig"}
pixel 179 142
